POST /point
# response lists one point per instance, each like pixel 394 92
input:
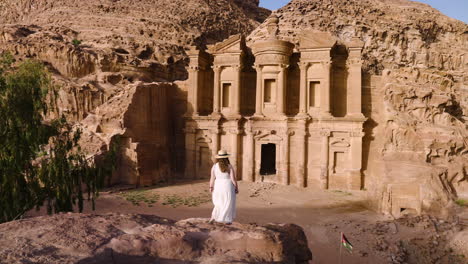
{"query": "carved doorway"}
pixel 268 159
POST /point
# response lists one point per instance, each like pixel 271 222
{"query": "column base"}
pixel 355 116
pixel 233 116
pixel 300 177
pixel 354 179
pixel 216 115
pixel 302 116
pixel 326 115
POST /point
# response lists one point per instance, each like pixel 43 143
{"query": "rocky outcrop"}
pixel 117 238
pixel 96 48
pixel 140 119
pixel 415 71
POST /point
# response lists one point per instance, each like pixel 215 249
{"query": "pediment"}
pixel 235 43
pixel 269 138
pixel 340 143
pixel 316 40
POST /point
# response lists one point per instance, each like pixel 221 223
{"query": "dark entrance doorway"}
pixel 268 162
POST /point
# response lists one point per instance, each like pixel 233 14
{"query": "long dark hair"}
pixel 223 164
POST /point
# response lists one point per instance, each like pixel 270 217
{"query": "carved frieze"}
pixel 227 60
pixel 315 56
pixel 272 59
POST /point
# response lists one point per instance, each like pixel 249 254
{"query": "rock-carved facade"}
pixel 287 114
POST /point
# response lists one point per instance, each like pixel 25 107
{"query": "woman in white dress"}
pixel 223 186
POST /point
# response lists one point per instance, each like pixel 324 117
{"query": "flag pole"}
pixel 341 244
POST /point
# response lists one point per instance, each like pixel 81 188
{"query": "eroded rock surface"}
pixel 118 238
pixel 97 47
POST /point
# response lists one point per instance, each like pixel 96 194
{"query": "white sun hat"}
pixel 222 154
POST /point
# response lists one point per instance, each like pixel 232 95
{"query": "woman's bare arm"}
pixel 212 179
pixel 234 178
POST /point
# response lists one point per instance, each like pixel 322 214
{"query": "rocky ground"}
pixel 322 215
pixel 122 238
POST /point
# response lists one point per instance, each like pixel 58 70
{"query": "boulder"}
pixel 125 238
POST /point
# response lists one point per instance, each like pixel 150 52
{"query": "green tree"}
pixel 40 162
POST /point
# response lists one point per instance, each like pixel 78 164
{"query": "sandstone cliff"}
pixel 98 47
pixel 118 238
pixel 414 95
pixel 102 53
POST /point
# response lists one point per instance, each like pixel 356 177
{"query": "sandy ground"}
pixel 322 214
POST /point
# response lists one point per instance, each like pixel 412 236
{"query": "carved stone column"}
pixel 326 88
pixel 281 89
pixel 216 89
pixel 301 155
pixel 192 96
pixel 324 159
pixel 249 157
pixel 354 84
pixel 259 92
pixel 235 150
pixel 303 94
pixel 215 143
pixel 354 172
pixel 190 152
pixel 285 157
pixel 237 89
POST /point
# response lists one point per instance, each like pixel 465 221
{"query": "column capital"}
pixel 252 132
pixel 215 131
pixel 190 130
pixel 354 62
pixel 287 132
pixel 326 64
pixel 237 67
pixel 357 134
pixel 303 65
pixel 194 67
pixel 235 131
pixel 217 68
pixel 257 67
pixel 325 133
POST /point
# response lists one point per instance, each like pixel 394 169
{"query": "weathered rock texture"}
pixel 116 42
pixel 415 64
pixel 102 53
pixel 117 238
pixel 140 118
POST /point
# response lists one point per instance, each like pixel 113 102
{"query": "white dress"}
pixel 224 196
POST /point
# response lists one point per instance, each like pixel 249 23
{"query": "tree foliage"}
pixel 40 162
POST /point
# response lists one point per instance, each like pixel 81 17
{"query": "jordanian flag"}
pixel 346 243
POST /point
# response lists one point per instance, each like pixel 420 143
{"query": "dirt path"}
pixel 322 214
